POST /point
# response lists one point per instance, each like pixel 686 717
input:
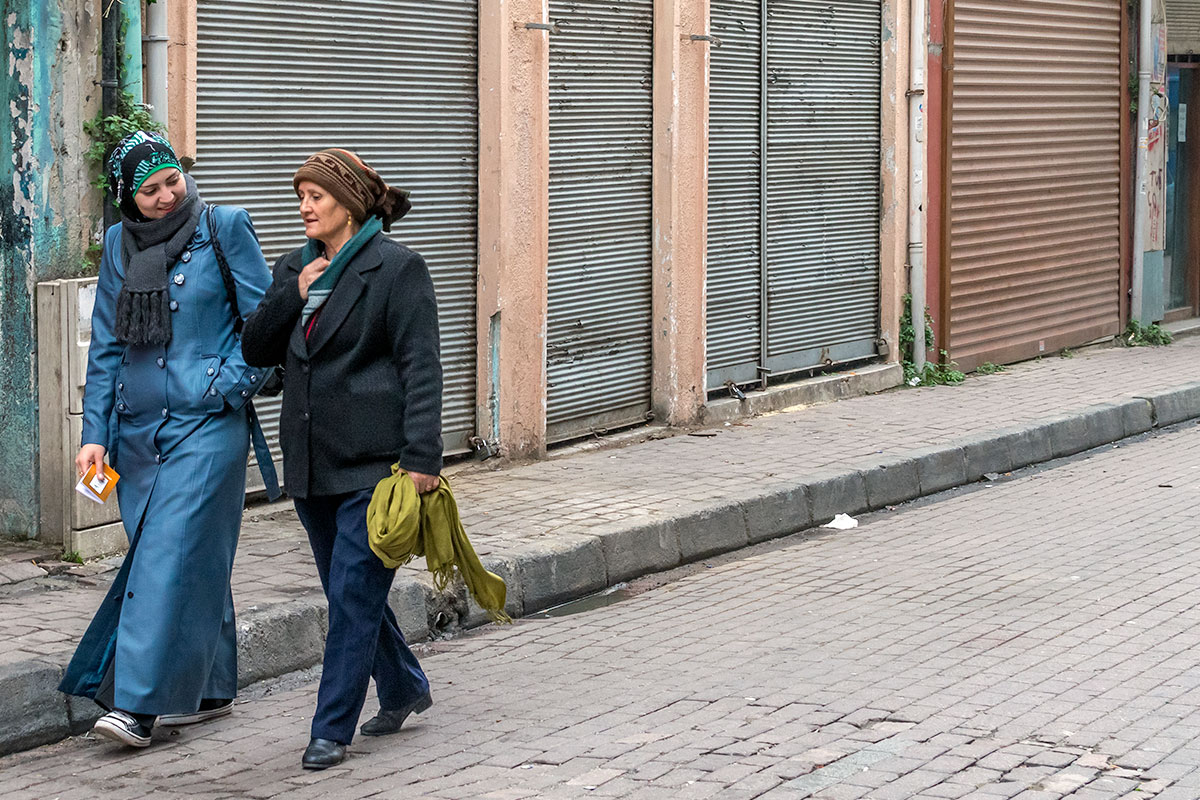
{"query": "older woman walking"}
pixel 353 316
pixel 164 357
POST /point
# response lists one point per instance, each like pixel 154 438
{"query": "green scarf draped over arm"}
pixel 402 524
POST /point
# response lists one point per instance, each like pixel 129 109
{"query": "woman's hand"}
pixel 312 270
pixel 90 454
pixel 424 483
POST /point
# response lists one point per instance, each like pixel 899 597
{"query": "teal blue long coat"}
pixel 175 422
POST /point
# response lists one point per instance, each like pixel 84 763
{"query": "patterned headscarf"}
pixel 355 185
pixel 136 158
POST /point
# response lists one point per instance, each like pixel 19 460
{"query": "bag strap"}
pixel 226 272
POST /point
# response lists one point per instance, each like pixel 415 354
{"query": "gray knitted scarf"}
pixel 149 250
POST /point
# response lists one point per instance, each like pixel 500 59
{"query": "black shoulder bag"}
pixel 274 384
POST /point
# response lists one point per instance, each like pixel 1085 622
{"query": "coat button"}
pixel 186 257
pixel 213 391
pixel 130 595
pixel 173 305
pixel 157 458
pixel 120 406
pixel 211 371
pixel 306 415
pixel 121 386
pixel 162 362
pixel 179 279
pixel 165 413
pixel 245 393
pixel 254 379
pixel 304 367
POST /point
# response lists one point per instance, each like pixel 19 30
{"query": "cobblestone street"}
pixel 1036 638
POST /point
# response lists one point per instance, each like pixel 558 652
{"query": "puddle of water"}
pixel 608 597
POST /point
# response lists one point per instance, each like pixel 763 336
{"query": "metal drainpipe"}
pixel 1145 66
pixel 131 59
pixel 918 52
pixel 110 86
pixel 156 60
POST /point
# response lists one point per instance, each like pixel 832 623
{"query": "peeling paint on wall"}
pixel 47 210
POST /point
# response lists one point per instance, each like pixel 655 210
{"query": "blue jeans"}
pixel 364 640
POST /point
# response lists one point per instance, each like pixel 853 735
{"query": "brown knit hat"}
pixel 355 185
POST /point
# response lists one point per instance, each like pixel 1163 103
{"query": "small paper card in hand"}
pixel 95 487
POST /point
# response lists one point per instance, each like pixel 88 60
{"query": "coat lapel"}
pixel 349 288
pixel 296 343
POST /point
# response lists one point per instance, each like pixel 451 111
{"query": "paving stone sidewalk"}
pixel 1036 639
pixel 565 527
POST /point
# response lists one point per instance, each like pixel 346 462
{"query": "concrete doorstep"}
pixel 285 637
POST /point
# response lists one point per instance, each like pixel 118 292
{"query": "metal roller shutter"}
pixel 793 248
pixel 599 290
pixel 1183 27
pixel 823 181
pixel 734 279
pixel 396 82
pixel 1034 195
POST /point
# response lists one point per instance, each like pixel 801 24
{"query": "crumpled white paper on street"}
pixel 842 522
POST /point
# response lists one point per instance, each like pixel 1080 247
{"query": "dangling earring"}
pixel 349 220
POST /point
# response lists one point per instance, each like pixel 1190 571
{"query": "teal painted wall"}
pixel 48 213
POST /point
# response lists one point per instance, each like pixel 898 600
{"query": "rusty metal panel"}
pixel 1183 27
pixel 1034 177
pixel 598 332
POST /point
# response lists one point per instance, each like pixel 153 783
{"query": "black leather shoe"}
pixel 323 753
pixel 389 721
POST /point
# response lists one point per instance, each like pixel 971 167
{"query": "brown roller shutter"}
pixel 1034 174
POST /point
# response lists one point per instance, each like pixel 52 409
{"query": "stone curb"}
pixel 285 637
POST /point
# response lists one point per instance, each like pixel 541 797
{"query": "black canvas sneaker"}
pixel 209 709
pixel 121 726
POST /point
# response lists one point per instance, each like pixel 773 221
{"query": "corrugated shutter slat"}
pixel 394 80
pixel 734 279
pixel 1034 176
pixel 599 291
pixel 823 180
pixel 822 186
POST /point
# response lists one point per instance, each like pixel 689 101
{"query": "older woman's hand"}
pixel 424 483
pixel 312 270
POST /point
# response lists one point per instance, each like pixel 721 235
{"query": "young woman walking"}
pixel 167 402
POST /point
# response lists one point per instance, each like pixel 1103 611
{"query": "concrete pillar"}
pixel 681 68
pixel 181 77
pixel 893 222
pixel 514 224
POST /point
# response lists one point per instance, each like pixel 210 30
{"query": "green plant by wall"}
pixel 936 373
pixel 988 368
pixel 1152 335
pixel 107 132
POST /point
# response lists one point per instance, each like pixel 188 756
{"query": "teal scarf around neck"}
pixel 322 287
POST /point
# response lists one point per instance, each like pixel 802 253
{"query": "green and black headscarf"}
pixel 149 248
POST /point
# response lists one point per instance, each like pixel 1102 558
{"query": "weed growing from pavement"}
pixel 1152 335
pixel 988 368
pixel 936 373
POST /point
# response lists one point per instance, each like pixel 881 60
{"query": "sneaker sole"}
pixel 120 735
pixel 176 720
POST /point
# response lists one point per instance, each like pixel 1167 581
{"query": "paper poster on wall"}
pixel 1156 148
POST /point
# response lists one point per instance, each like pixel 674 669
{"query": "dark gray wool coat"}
pixel 363 386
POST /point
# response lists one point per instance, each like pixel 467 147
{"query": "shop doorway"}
pixel 1182 259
